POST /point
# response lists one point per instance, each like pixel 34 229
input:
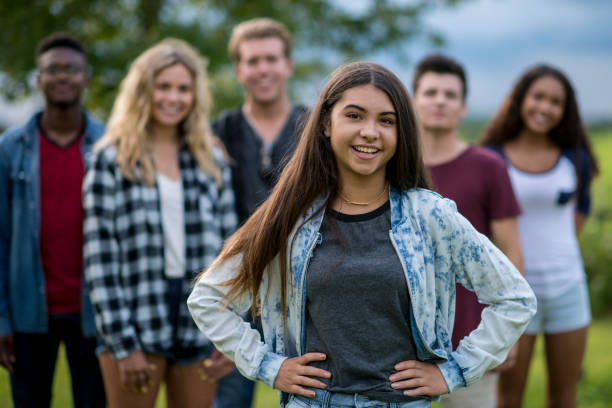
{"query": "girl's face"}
pixel 543 105
pixel 363 132
pixel 172 95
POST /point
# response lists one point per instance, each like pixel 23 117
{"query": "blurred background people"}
pixel 259 136
pixel 539 132
pixel 43 301
pixel 477 180
pixel 158 204
pixel 261 133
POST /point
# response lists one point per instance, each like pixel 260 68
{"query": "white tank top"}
pixel 546 227
pixel 172 217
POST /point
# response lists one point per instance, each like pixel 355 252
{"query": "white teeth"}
pixel 264 82
pixel 365 149
pixel 170 109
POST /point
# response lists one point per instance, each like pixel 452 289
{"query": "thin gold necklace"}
pixel 346 200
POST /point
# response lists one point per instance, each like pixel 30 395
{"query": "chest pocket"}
pixel 564 197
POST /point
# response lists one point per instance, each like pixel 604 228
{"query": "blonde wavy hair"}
pixel 128 127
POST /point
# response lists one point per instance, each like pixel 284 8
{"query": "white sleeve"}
pixel 482 268
pixel 223 325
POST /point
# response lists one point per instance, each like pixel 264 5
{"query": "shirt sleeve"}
pixel 582 162
pixel 223 324
pixel 101 259
pixel 479 266
pixel 226 205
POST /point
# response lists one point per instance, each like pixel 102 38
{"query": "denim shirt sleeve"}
pixel 481 267
pixel 225 327
pixel 101 258
pixel 5 226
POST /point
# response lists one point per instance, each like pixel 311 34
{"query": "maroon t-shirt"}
pixel 478 182
pixel 61 223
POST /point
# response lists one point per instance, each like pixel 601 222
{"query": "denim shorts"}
pixel 569 311
pixel 326 399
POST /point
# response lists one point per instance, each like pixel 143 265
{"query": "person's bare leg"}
pixel 117 397
pixel 512 382
pixel 185 387
pixel 564 354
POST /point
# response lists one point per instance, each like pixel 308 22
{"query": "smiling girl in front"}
pixel 539 132
pixel 352 265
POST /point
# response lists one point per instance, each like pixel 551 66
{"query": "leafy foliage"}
pixel 596 238
pixel 326 33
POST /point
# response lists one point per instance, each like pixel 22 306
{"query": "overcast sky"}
pixel 496 40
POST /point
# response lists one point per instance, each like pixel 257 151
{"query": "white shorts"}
pixel 569 311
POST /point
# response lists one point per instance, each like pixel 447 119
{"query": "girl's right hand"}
pixel 135 372
pixel 296 372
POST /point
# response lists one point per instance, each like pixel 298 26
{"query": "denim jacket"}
pixel 437 247
pixel 23 303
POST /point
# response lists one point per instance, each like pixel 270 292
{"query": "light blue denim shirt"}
pixel 437 247
pixel 23 302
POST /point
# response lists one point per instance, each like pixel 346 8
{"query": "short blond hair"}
pixel 258 28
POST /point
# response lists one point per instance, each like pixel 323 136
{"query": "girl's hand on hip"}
pixel 295 373
pixel 135 372
pixel 418 378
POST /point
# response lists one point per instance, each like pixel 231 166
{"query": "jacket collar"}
pixel 31 129
pixel 396 198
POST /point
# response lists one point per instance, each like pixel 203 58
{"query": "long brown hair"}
pixel 569 132
pixel 312 172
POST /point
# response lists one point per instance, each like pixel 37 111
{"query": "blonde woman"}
pixel 158 205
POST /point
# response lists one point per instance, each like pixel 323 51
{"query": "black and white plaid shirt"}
pixel 124 251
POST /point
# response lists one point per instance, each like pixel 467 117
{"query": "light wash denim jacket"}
pixel 23 302
pixel 437 247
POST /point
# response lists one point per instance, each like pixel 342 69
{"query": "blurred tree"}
pixel 326 32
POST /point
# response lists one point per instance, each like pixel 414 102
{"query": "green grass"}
pixel 595 389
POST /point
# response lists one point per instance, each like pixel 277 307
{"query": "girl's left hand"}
pixel 421 378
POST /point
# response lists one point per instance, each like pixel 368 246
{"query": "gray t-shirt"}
pixel 358 305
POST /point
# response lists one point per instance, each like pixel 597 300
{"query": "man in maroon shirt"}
pixel 42 297
pixel 478 182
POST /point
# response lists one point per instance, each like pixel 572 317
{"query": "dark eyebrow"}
pixel 354 107
pixel 364 110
